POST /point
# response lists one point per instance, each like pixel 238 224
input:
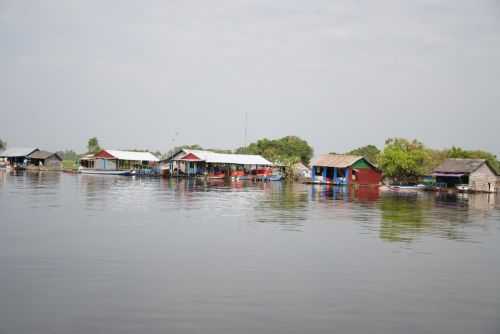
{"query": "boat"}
pixel 276 176
pixel 463 188
pixel 241 178
pixel 239 175
pixel 92 171
pixel 216 176
pixel 261 174
pixel 417 187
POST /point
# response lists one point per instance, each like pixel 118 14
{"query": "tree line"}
pixel 400 158
pixel 405 159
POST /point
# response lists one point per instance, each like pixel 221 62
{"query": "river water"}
pixel 104 254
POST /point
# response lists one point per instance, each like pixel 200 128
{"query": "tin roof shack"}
pixel 197 163
pixel 43 160
pixel 114 160
pixel 18 156
pixel 341 169
pixel 477 173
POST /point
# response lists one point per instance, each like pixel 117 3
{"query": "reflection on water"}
pixel 87 253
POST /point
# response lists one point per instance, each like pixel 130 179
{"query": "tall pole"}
pixel 246 130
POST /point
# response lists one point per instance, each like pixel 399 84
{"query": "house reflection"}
pixel 406 217
pixel 358 194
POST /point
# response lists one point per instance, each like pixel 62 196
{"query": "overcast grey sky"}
pixel 341 74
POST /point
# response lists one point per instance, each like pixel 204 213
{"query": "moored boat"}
pixel 463 188
pixel 216 176
pixel 93 171
pixel 417 187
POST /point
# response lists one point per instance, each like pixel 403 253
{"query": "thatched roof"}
pixel 42 155
pixel 457 166
pixel 338 160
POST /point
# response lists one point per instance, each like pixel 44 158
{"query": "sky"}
pixel 340 74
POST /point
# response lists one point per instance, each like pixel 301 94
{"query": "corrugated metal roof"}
pixel 337 160
pixel 18 152
pixel 133 156
pixel 457 166
pixel 222 158
pixel 43 155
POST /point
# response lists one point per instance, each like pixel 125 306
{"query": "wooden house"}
pixel 45 160
pixel 342 169
pixel 477 173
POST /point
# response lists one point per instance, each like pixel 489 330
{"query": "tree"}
pixel 181 147
pixel 371 152
pixel 3 145
pixel 93 145
pixel 404 160
pixel 460 153
pixel 69 155
pixel 280 150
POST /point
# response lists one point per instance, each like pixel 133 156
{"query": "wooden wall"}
pixel 483 179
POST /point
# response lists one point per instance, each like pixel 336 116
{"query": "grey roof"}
pixel 42 155
pixel 465 166
pixel 18 152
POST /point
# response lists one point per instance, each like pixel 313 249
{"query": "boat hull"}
pixel 106 172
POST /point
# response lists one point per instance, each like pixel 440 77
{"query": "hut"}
pixel 198 162
pixel 478 174
pixel 342 169
pixel 45 160
pixel 301 171
pixel 18 156
pixel 109 161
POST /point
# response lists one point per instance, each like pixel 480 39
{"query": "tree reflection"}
pixel 402 217
pixel 406 216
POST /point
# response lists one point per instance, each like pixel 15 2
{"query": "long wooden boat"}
pixel 406 188
pixel 216 176
pixel 105 172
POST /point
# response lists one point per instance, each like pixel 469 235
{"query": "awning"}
pixel 448 174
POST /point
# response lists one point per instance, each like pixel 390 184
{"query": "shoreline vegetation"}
pixel 402 160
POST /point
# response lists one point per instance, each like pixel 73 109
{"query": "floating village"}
pixel 343 170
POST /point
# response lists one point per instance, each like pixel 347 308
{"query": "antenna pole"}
pixel 246 130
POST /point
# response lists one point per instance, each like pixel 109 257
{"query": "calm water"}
pixel 103 254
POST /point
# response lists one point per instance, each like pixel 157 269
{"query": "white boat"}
pixel 418 187
pixel 463 188
pixel 84 170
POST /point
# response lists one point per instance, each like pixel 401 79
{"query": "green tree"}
pixel 176 149
pixel 93 145
pixel 280 150
pixel 404 160
pixel 3 145
pixel 68 155
pixel 371 152
pixel 460 153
